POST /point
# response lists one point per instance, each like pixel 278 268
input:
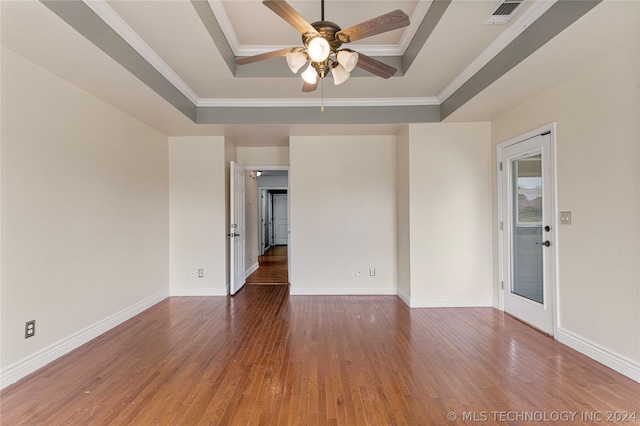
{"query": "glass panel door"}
pixel 526 186
pixel 528 230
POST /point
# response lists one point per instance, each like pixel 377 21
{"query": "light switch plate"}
pixel 565 218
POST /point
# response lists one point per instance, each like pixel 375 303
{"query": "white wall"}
pixel 343 214
pixel 450 214
pixel 198 213
pixel 598 161
pixel 84 213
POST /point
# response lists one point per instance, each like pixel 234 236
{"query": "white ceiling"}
pixel 171 35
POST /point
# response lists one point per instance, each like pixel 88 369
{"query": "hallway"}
pixel 273 267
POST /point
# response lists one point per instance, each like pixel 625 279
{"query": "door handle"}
pixel 544 243
pixel 233 234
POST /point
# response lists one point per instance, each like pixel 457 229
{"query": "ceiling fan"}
pixel 322 41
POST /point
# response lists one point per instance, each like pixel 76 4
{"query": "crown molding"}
pixel 415 20
pixel 115 21
pixel 225 25
pixel 369 50
pixel 294 102
pixel 535 11
pixel 102 9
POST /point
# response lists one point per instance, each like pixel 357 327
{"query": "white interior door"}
pixel 527 217
pixel 237 229
pixel 270 220
pixel 281 219
pixel 262 223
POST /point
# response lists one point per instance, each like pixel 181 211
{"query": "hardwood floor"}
pixel 264 357
pixel 274 268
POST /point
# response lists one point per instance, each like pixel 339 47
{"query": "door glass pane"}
pixel 527 267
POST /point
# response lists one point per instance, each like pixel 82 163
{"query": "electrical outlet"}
pixel 200 273
pixel 193 274
pixel 358 272
pixel 29 329
pixel 352 272
pixel 565 218
pixel 372 272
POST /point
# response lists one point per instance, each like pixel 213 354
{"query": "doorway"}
pixel 273 228
pixel 526 197
pixel 247 238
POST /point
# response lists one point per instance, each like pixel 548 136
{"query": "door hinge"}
pixel 501 166
pixel 501 285
pixel 501 225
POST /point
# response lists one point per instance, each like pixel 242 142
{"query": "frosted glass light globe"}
pixel 310 75
pixel 318 49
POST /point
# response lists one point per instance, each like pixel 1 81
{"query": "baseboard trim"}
pixel 404 297
pixel 43 357
pixel 187 292
pixel 450 303
pixel 613 360
pixel 354 291
pixel 251 270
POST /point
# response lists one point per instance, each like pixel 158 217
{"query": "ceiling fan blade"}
pixel 263 56
pixel 308 87
pixel 381 24
pixel 289 14
pixel 374 66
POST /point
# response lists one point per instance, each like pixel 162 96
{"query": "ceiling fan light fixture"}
pixel 310 75
pixel 296 60
pixel 347 59
pixel 340 74
pixel 318 49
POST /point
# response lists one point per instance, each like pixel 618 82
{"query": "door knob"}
pixel 544 243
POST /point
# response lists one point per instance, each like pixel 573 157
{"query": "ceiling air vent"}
pixel 502 12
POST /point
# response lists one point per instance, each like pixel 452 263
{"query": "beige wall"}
pixel 598 179
pixel 343 214
pixel 403 216
pixel 251 221
pixel 450 214
pixel 263 156
pixel 84 210
pixel 198 214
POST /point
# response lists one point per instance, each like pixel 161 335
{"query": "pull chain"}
pixel 322 93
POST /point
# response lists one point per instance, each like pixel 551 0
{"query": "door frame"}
pixel 503 248
pixel 268 188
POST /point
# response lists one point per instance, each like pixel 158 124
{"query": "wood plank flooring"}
pixel 264 357
pixel 274 268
